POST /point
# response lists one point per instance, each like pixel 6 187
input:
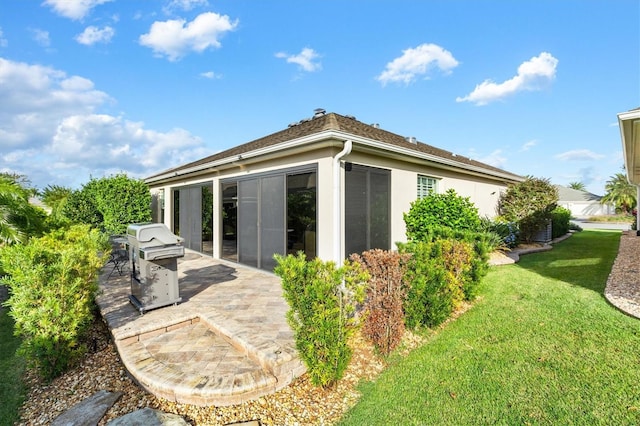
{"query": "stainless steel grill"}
pixel 153 261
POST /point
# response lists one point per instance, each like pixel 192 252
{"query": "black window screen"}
pixel 367 205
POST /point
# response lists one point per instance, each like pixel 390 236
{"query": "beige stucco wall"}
pixel 483 192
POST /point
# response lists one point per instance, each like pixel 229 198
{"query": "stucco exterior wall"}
pixel 482 191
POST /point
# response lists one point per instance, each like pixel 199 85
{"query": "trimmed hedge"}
pixel 53 283
pixel 321 312
pixel 560 221
pixel 384 321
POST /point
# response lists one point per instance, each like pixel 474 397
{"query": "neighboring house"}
pixel 582 204
pixel 629 123
pixel 328 185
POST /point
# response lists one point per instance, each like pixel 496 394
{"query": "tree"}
pixel 530 203
pixel 110 203
pixel 18 219
pixel 578 186
pixel 620 193
pixel 55 197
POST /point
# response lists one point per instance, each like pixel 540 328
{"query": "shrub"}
pixel 80 207
pixel 384 322
pixel 560 218
pixel 111 203
pixel 529 203
pixel 508 232
pixel 448 210
pixel 483 244
pixel 439 274
pixel 53 281
pixel 321 312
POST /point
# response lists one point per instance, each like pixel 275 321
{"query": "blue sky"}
pixel 96 87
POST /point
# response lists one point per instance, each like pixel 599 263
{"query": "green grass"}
pixel 617 218
pixel 12 388
pixel 541 346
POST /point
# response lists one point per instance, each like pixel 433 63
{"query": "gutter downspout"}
pixel 337 205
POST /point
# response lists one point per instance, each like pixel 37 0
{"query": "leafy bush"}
pixel 560 218
pixel 483 244
pixel 384 322
pixel 53 281
pixel 448 210
pixel 80 207
pixel 321 312
pixel 440 277
pixel 529 203
pixel 508 232
pixel 111 203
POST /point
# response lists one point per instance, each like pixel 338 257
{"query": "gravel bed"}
pixel 623 284
pixel 298 404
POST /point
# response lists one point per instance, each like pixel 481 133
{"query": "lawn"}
pixel 12 389
pixel 541 346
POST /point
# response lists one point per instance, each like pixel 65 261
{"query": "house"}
pixel 328 185
pixel 582 204
pixel 629 123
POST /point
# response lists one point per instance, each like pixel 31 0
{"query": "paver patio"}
pixel 226 343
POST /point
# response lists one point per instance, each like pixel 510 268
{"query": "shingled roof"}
pixel 326 122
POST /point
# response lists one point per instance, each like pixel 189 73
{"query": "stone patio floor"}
pixel 226 342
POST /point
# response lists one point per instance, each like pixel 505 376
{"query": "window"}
pixel 367 208
pixel 426 185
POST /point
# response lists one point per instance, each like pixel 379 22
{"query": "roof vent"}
pixel 293 124
pixel 350 116
pixel 375 125
pixel 411 139
pixel 318 112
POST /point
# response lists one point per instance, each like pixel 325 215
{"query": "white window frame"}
pixel 426 185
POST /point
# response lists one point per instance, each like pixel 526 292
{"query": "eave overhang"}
pixel 629 123
pixel 328 138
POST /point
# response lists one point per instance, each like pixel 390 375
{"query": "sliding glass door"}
pixel 193 217
pixel 268 214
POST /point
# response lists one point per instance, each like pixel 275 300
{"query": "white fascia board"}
pixel 428 157
pixel 339 135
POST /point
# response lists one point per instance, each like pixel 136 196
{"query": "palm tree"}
pixel 620 193
pixel 13 200
pixel 579 186
pixel 55 197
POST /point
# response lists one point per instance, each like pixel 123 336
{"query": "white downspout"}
pixel 337 204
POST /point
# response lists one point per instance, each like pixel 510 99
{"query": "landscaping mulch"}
pixel 299 403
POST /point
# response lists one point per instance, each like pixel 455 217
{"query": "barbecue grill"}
pixel 153 262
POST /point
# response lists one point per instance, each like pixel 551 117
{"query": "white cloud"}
pixel 92 35
pixel 51 131
pixel 533 74
pixel 528 145
pixel 34 98
pixel 495 159
pixel 578 155
pixel 74 9
pixel 417 61
pixel 104 142
pixel 3 41
pixel 176 37
pixel 306 59
pixel 210 75
pixel 185 5
pixel 41 37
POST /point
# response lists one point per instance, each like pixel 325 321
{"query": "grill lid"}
pixel 145 232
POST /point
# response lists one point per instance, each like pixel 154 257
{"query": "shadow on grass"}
pixel 583 260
